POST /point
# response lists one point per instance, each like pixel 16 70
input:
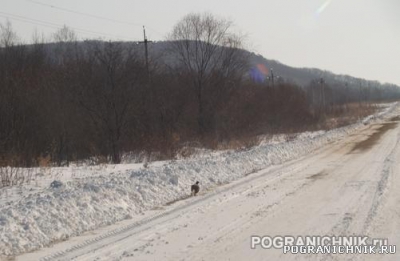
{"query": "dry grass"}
pixel 343 115
pixel 12 176
pixel 239 143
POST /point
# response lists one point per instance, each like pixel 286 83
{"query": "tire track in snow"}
pixel 60 255
pixel 382 186
pixel 341 228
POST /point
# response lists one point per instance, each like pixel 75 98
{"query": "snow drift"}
pixel 66 208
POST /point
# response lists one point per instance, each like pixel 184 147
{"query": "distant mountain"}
pixel 303 76
pixel 298 76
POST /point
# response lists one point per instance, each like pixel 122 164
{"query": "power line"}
pixel 85 14
pixel 30 22
pixel 54 25
pixel 91 15
pixel 45 24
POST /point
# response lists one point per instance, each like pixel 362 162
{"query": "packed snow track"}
pixel 350 187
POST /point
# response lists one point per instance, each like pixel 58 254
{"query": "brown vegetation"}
pixel 71 100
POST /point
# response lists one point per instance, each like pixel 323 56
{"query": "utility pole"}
pixel 150 90
pixel 146 52
pixel 322 92
pixel 272 77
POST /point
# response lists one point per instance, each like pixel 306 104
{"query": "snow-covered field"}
pixel 88 197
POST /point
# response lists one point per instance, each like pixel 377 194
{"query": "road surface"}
pixel 350 187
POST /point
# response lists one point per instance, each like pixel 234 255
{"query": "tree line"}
pixel 71 100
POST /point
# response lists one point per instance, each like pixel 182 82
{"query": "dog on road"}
pixel 195 188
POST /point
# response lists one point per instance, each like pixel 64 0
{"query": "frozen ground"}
pixel 88 198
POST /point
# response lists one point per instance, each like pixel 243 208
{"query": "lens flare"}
pixel 323 7
pixel 262 68
pixel 259 73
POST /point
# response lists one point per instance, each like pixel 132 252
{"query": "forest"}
pixel 68 100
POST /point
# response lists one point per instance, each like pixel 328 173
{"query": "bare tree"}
pixel 38 38
pixel 7 35
pixel 109 83
pixel 206 50
pixel 65 34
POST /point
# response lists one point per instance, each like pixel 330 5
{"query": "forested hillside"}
pixel 71 100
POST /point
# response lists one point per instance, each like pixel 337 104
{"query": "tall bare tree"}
pixel 204 48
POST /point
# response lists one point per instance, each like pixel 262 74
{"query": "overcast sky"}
pixel 356 37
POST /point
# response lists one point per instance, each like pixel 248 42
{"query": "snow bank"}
pixel 70 207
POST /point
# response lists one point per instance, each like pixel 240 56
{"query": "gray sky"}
pixel 356 37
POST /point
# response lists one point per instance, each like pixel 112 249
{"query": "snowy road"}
pixel 351 187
